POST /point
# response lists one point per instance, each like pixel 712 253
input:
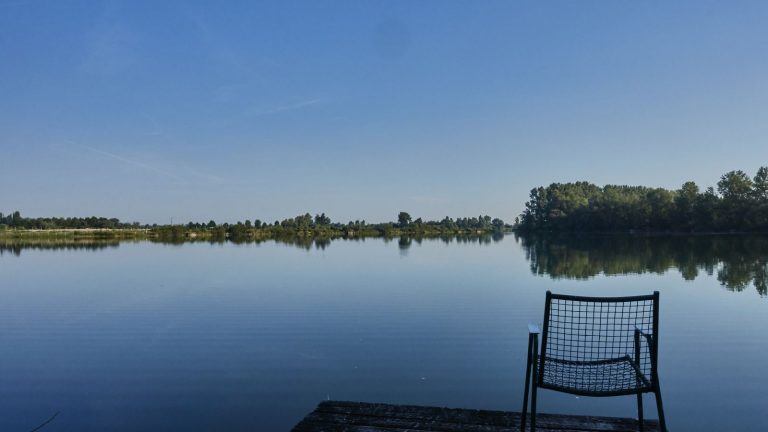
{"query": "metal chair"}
pixel 595 346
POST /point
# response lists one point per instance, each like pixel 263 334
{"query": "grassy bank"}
pixel 75 234
pixel 233 232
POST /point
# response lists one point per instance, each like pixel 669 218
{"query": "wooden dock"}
pixel 335 416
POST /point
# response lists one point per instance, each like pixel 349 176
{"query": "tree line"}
pixel 304 224
pixel 404 220
pixel 15 220
pixel 740 203
pixel 322 225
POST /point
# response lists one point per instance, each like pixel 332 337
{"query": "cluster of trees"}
pixel 317 226
pixel 307 222
pixel 403 220
pixel 475 223
pixel 15 220
pixel 740 203
pixel 302 221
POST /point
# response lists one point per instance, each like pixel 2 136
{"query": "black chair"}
pixel 596 346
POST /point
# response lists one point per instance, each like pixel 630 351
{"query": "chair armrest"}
pixel 648 339
pixel 533 329
pixel 645 333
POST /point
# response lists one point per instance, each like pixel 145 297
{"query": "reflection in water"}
pixel 15 246
pixel 320 243
pixel 739 261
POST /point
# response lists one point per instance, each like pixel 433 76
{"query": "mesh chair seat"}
pixel 606 377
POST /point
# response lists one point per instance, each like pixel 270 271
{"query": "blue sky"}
pixel 360 109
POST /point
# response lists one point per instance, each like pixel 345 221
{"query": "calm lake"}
pixel 202 337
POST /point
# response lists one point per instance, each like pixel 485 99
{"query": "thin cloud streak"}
pixel 134 163
pixel 290 107
pixel 187 172
pixel 255 112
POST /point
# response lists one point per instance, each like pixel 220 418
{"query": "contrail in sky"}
pixel 133 162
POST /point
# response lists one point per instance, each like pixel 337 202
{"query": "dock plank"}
pixel 343 416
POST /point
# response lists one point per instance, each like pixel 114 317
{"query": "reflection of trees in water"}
pixel 403 243
pixel 320 243
pixel 738 261
pixel 15 247
pixel 307 243
pixel 482 239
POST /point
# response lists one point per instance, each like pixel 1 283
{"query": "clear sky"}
pixel 360 109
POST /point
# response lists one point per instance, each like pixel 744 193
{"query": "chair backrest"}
pixel 595 329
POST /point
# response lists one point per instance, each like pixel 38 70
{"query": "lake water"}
pixel 202 337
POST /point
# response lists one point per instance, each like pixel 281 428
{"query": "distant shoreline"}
pixel 181 233
pixel 74 230
pixel 637 233
pixel 366 232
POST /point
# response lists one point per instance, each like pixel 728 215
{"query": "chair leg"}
pixel 660 408
pixel 533 409
pixel 527 385
pixel 535 383
pixel 640 421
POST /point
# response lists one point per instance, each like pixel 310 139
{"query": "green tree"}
pixel 662 204
pixel 322 220
pixel 403 219
pixel 736 189
pixel 685 205
pixel 735 185
pixel 16 219
pixel 760 184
